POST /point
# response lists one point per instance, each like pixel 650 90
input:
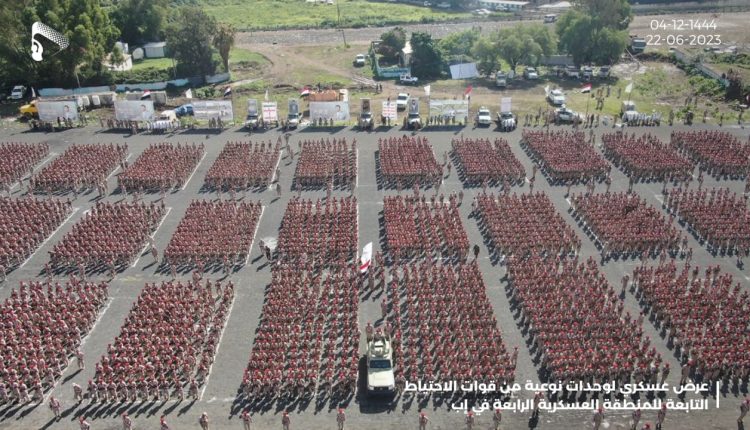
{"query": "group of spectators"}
pixel 43 325
pixel 719 217
pixel 314 233
pixel 326 163
pixel 161 167
pixel 718 152
pixel 79 168
pixel 166 345
pixel 442 326
pixel 407 160
pixel 18 160
pixel 416 227
pixel 213 234
pixel 482 162
pixel 577 325
pixel 645 158
pixel 308 333
pixel 624 225
pixel 110 236
pixel 704 318
pixel 243 165
pixel 524 224
pixel 564 156
pixel 24 225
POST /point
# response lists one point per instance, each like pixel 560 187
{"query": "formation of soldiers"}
pixel 645 158
pixel 297 343
pixel 79 168
pixel 25 224
pixel 243 165
pixel 564 156
pixel 325 162
pixel 718 153
pixel 42 328
pixel 407 160
pixel 705 319
pixel 109 236
pixel 166 345
pixel 416 227
pixel 18 160
pixel 316 233
pixel 161 167
pixel 490 163
pixel 213 234
pixel 624 225
pixel 718 216
pixel 524 224
pixel 439 335
pixel 577 323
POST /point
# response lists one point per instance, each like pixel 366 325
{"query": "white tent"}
pixel 464 71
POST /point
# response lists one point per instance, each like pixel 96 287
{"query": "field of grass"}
pixel 245 64
pixel 278 14
pixel 155 63
pixel 339 56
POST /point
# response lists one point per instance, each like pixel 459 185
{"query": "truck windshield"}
pixel 380 364
pixel 413 115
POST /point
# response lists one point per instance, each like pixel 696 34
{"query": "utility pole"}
pixel 338 13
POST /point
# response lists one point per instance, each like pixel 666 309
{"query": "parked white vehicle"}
pixel 17 92
pixel 556 97
pixel 484 117
pixel 402 101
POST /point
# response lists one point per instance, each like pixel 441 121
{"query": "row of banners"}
pixel 143 110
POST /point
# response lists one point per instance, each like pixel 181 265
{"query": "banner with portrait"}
pixel 207 109
pixel 50 111
pixel 270 112
pixel 134 110
pixel 293 107
pixel 449 108
pixel 252 107
pixel 390 110
pixel 414 106
pixel 336 111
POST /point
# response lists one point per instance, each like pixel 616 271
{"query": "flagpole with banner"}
pixel 427 89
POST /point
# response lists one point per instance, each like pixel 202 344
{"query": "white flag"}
pixel 266 98
pixel 366 258
pixel 33 93
pixel 427 90
pixel 189 93
pixel 629 88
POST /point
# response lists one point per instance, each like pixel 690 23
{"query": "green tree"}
pixel 595 30
pixel 224 41
pixel 190 39
pixel 392 42
pixel 485 52
pixel 140 21
pixel 83 22
pixel 457 46
pixel 426 60
pixel 520 45
pixel 609 44
pixel 116 57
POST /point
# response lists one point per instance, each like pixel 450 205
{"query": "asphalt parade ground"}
pixel 219 396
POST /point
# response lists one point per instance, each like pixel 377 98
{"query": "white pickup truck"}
pixel 380 377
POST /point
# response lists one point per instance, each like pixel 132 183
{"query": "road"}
pixel 730 26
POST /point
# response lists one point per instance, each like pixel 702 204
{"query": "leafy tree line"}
pixel 194 39
pixel 593 32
